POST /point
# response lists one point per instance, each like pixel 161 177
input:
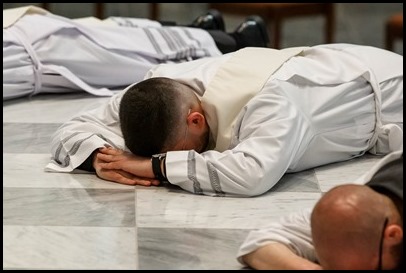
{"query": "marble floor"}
pixel 77 221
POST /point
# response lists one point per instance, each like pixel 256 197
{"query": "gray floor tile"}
pixel 68 207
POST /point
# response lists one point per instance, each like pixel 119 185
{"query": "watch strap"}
pixel 156 166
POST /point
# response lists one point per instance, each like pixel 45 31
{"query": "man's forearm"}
pixel 277 256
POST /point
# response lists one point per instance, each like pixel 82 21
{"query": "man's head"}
pixel 160 114
pixel 350 231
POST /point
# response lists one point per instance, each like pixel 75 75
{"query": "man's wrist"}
pixel 94 158
pixel 88 164
pixel 158 166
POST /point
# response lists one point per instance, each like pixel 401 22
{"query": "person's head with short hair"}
pixel 355 227
pixel 159 115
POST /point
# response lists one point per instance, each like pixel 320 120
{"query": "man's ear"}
pixel 394 234
pixel 196 121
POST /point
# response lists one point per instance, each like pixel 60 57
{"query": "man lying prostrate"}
pixel 47 53
pixel 352 226
pixel 233 125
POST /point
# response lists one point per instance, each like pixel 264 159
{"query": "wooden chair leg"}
pixel 154 11
pixel 330 22
pixel 45 6
pixel 388 38
pixel 276 33
pixel 99 10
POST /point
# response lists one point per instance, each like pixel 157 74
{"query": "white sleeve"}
pixel 268 137
pixel 293 231
pixel 75 140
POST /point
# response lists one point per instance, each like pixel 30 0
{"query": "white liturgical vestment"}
pixel 228 92
pixel 327 104
pixel 294 229
pixel 47 53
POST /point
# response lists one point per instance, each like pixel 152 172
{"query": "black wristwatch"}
pixel 156 161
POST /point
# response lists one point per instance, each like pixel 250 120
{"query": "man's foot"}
pixel 252 32
pixel 212 20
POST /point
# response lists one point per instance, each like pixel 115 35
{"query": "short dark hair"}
pixel 149 112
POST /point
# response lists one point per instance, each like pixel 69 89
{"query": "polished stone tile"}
pixel 168 207
pixel 186 249
pixel 28 137
pixel 344 172
pixel 27 171
pixel 49 108
pixel 304 181
pixel 77 221
pixel 57 247
pixel 68 207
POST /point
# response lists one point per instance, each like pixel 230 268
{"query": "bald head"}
pixel 346 226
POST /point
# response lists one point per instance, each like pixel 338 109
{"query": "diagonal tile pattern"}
pixel 77 221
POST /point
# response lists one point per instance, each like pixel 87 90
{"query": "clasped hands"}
pixel 123 167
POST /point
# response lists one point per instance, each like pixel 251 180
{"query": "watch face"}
pixel 159 155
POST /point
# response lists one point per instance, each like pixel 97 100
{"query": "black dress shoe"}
pixel 252 32
pixel 212 20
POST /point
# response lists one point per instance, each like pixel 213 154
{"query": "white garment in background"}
pixel 317 108
pixel 46 53
pixel 294 230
